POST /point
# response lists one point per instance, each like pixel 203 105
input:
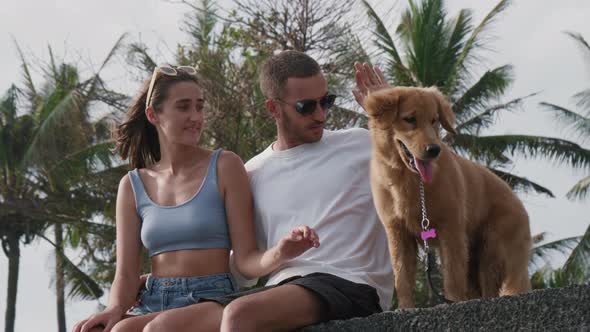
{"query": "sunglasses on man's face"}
pixel 168 71
pixel 308 106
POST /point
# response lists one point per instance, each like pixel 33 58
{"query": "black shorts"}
pixel 342 299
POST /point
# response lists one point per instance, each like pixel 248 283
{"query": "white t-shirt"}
pixel 324 185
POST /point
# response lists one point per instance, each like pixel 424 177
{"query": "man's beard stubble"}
pixel 292 132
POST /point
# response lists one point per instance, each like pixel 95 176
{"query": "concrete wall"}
pixel 565 309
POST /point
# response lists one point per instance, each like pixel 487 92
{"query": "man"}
pixel 318 178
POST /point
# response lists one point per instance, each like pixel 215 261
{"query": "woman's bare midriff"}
pixel 190 263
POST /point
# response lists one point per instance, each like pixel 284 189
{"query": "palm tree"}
pixel 576 269
pixel 579 122
pixel 64 149
pixel 434 50
pixel 17 194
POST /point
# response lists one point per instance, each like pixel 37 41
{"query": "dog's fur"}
pixel 483 234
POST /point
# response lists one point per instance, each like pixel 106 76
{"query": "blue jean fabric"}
pixel 169 293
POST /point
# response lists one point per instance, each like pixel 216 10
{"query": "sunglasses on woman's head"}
pixel 308 106
pixel 168 71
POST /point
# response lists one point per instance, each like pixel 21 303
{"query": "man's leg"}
pixel 282 308
pixel 204 316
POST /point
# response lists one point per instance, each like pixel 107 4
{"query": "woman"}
pixel 183 203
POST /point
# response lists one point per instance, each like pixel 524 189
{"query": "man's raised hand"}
pixel 367 80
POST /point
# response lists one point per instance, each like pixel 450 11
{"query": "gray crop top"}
pixel 197 223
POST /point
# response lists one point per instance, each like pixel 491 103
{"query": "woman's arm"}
pixel 126 282
pixel 128 249
pixel 249 261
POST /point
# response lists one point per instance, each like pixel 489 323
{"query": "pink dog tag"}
pixel 430 234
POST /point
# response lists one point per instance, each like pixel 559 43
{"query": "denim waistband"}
pixel 185 284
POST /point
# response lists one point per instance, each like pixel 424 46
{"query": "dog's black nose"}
pixel 432 150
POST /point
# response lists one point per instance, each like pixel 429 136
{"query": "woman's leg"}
pixel 204 316
pixel 134 323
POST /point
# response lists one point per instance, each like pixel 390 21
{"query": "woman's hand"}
pixel 107 319
pixel 367 80
pixel 299 240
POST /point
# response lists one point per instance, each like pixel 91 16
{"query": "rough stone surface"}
pixel 564 309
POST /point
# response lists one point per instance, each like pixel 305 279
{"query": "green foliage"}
pixel 577 122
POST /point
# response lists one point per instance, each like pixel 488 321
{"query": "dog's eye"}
pixel 410 120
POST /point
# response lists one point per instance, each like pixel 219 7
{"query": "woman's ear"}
pixel 150 114
pixel 445 112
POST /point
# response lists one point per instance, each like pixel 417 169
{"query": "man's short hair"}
pixel 279 68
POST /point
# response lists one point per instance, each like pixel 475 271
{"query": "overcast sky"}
pixel 529 36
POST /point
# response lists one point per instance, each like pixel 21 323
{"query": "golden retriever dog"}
pixel 482 228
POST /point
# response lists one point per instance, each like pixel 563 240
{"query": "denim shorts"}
pixel 169 293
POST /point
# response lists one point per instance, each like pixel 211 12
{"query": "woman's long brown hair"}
pixel 136 138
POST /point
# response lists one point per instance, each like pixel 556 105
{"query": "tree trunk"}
pixel 12 244
pixel 59 281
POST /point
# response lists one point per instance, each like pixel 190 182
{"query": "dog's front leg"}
pixel 454 257
pixel 404 251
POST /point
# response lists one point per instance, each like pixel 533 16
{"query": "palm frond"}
pixel 46 131
pixel 385 43
pixel 485 119
pixel 137 56
pixel 580 189
pixel 111 54
pixel 30 89
pixel 89 155
pixel 578 37
pixel 583 100
pixel 474 42
pixel 424 29
pixel 200 22
pixel 479 150
pixel 570 118
pixel 384 39
pixel 8 105
pixel 542 252
pixel 579 260
pixel 491 85
pixel 521 184
pixel 554 149
pixel 82 287
pixel 583 97
pixel 461 27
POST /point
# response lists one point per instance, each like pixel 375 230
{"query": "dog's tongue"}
pixel 424 168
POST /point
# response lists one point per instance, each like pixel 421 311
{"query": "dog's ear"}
pixel 381 102
pixel 445 112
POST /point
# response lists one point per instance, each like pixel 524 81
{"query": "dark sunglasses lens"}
pixel 305 106
pixel 327 102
